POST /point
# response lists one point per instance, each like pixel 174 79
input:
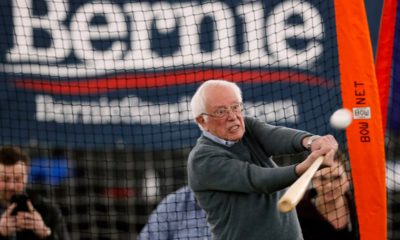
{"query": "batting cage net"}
pixel 393 174
pixel 98 94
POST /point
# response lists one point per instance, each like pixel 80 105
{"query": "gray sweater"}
pixel 239 186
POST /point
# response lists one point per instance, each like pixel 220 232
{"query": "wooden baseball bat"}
pixel 295 192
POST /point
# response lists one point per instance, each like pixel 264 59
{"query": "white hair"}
pixel 198 100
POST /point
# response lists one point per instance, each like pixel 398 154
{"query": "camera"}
pixel 21 200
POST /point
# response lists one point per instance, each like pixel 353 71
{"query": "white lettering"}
pixel 23 46
pixel 132 110
pixel 253 15
pixel 128 28
pixel 83 33
pixel 141 54
pixel 279 112
pixel 310 31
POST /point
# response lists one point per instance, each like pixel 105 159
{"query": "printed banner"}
pixel 101 74
pixel 106 73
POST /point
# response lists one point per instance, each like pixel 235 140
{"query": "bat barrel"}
pixel 286 205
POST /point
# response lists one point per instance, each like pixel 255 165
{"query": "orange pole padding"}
pixel 384 54
pixel 365 136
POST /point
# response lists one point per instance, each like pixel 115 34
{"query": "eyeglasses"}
pixel 224 111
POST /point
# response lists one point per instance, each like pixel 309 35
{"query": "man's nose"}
pixel 330 184
pixel 231 114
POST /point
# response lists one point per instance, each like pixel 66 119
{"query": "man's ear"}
pixel 200 120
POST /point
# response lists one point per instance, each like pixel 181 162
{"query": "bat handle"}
pixel 296 191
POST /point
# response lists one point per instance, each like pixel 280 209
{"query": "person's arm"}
pixel 59 229
pixel 54 221
pixel 210 168
pixel 277 139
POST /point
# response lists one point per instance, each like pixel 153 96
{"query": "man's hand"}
pixel 326 146
pixel 8 223
pixel 324 142
pixel 33 221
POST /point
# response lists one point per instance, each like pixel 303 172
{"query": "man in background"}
pixel 33 217
pixel 327 211
pixel 177 216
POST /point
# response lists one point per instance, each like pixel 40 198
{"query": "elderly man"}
pixel 231 172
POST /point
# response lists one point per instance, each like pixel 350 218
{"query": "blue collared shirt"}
pixel 177 217
pixel 218 140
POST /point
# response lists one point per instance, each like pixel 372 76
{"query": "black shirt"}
pixel 316 227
